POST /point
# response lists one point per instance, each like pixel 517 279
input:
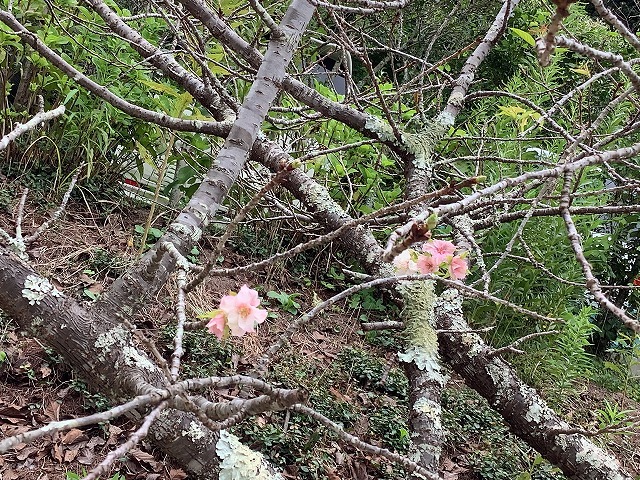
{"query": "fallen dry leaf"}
pixel 177 474
pixel 144 457
pixel 53 411
pixel 24 453
pixel 74 436
pixel 56 453
pixel 87 457
pixel 70 455
pixel 10 475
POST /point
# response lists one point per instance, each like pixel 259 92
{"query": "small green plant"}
pixel 367 300
pixel 194 255
pixel 334 279
pixel 388 423
pixel 472 425
pixel 287 301
pixel 105 262
pixel 92 401
pixel 611 415
pixel 204 355
pixel 568 362
pixel 371 372
pixel 150 237
pixel 75 476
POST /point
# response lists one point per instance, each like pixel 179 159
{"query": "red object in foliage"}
pixel 636 282
pixel 130 181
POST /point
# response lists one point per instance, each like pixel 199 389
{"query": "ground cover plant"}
pixel 354 208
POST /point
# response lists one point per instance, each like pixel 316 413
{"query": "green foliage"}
pixel 150 235
pixel 293 445
pixel 204 354
pixel 75 476
pixel 92 401
pixel 611 415
pixel 562 361
pixel 473 426
pixel 389 424
pixel 293 439
pixel 287 301
pixel 371 372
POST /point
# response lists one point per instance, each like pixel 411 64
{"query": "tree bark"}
pixel 527 414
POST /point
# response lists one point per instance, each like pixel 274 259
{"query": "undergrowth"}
pixel 494 454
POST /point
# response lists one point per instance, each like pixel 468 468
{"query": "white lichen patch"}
pixel 239 462
pixel 425 360
pixel 475 347
pixel 499 377
pixel 114 336
pixel 430 409
pixel 382 129
pixel 194 432
pixel 456 98
pixel 535 413
pixel 589 453
pixel 422 143
pixel 19 248
pixel 192 232
pixel 37 288
pixel 133 358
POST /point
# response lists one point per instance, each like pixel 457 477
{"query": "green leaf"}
pixel 181 103
pixel 526 36
pixel 156 233
pixel 211 314
pixel 160 87
pixel 144 154
pixel 70 95
pixel 90 294
pixel 612 366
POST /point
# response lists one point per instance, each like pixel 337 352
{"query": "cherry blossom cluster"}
pixel 238 314
pixel 438 256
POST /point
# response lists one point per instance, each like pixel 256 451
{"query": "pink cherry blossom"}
pixel 458 268
pixel 242 311
pixel 405 263
pixel 427 264
pixel 216 325
pixel 439 250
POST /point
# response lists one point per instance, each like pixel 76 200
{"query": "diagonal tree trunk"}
pixel 527 414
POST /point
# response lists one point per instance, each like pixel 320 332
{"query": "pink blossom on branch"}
pixel 458 268
pixel 439 258
pixel 427 264
pixel 405 263
pixel 216 325
pixel 238 313
pixel 439 250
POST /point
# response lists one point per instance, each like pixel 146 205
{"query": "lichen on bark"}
pixel 422 339
pixel 239 462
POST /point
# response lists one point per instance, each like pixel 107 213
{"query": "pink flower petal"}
pixel 428 264
pixel 248 296
pixel 458 268
pixel 216 325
